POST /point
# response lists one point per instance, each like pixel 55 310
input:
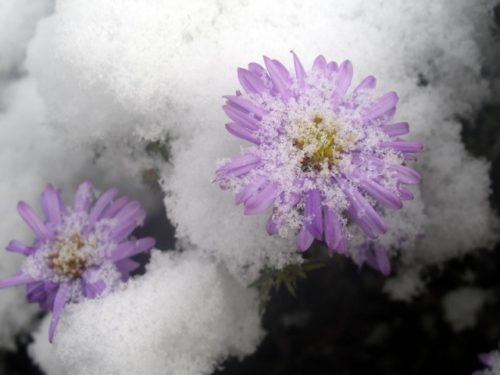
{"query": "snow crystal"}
pixel 184 316
pixel 462 306
pixel 18 19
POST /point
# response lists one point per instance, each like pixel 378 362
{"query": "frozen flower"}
pixel 321 157
pixel 491 361
pixel 78 252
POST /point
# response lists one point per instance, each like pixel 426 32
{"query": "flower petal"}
pixel 365 215
pixel 332 67
pixel 242 132
pixel 251 82
pixel 83 197
pixel 333 231
pixel 313 212
pixel 366 84
pixel 381 194
pixel 344 78
pixel 239 166
pixel 247 105
pixel 131 211
pixel 300 73
pixel 394 130
pixel 385 105
pixel 242 118
pixel 272 227
pixel 382 260
pixel 405 194
pixel 19 279
pixel 18 247
pixel 319 64
pixel 250 189
pixel 59 302
pixel 485 358
pixel 124 229
pixel 261 200
pixel 279 76
pixel 403 146
pixel 407 175
pixel 35 292
pixel 100 205
pixel 92 289
pixel 304 239
pixel 125 266
pixel 131 248
pixel 34 222
pixel 114 208
pixel 52 205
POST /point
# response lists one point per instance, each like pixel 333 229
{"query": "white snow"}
pixel 184 316
pixel 105 79
pixel 462 307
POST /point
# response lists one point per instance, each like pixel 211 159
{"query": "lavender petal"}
pixel 34 222
pixel 381 194
pixel 242 132
pixel 313 211
pixel 19 279
pixel 385 105
pixel 300 73
pixel 333 231
pixel 344 78
pixel 250 82
pixel 104 200
pixel 18 247
pixel 279 76
pixel 261 200
pixel 83 197
pixel 304 239
pixel 59 302
pixel 52 205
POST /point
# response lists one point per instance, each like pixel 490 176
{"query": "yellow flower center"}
pixel 67 259
pixel 321 143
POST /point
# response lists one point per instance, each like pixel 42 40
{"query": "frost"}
pixel 184 316
pixel 462 307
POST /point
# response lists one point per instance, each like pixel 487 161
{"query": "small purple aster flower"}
pixel 321 157
pixel 490 360
pixel 79 252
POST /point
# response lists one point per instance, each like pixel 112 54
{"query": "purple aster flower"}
pixel 489 360
pixel 78 252
pixel 321 157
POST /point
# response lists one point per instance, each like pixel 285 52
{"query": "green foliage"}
pixel 272 279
